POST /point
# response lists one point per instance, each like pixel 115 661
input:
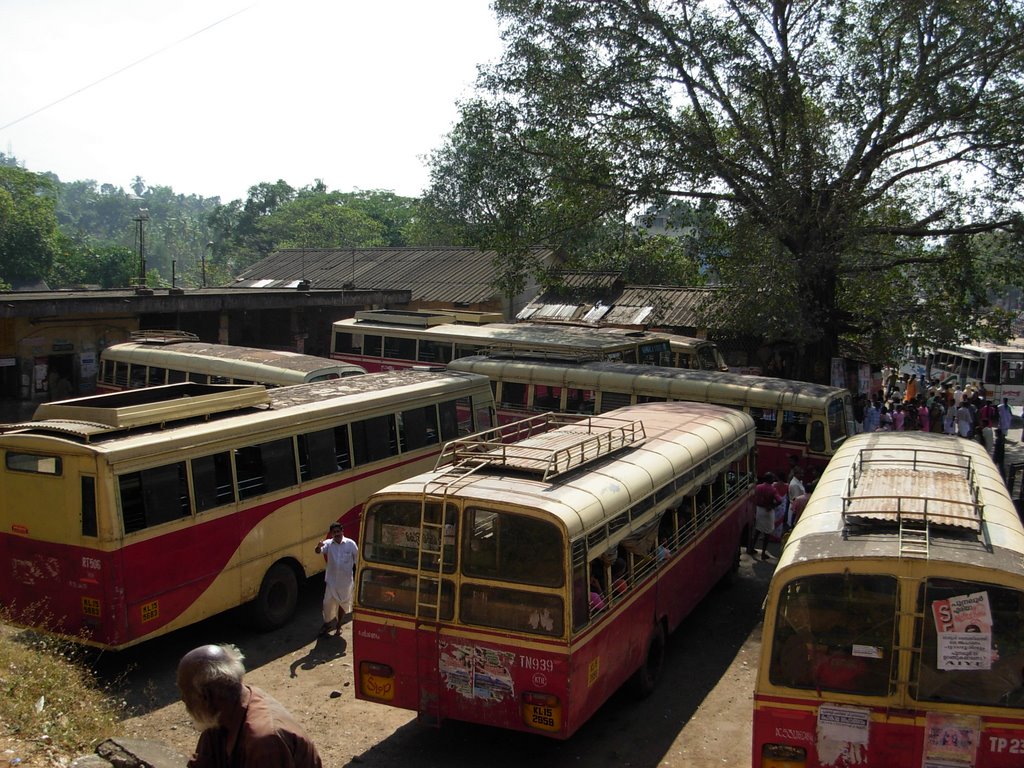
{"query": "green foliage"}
pixel 28 227
pixel 840 142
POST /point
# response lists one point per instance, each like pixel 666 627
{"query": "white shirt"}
pixel 1005 417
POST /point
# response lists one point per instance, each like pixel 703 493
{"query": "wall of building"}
pixel 46 359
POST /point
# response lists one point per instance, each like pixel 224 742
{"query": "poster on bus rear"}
pixel 963 626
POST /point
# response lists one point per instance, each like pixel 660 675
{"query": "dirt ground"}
pixel 698 717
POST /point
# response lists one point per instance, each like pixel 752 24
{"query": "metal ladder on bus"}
pixel 915 534
pixel 429 583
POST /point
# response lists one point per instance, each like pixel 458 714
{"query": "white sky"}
pixel 354 92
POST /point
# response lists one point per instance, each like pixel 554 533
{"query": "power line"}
pixel 124 68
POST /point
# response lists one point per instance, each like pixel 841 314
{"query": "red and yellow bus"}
pixel 153 358
pixel 894 623
pixel 792 418
pixel 129 515
pixel 540 567
pixel 392 339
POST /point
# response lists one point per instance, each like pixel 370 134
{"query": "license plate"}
pixel 544 718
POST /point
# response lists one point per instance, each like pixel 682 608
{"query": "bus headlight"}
pixel 542 711
pixel 783 756
pixel 377 681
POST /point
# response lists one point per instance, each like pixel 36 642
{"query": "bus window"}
pixel 511 547
pixel 319 455
pixel 157 376
pixel 393 591
pixel 764 420
pixel 794 426
pixel 374 439
pixel 988 669
pixel 372 345
pixel 137 377
pixel 211 481
pixel 579 401
pixel 612 400
pixel 513 393
pixel 121 374
pixel 547 398
pixel 89 506
pixel 417 428
pixel 835 632
pixel 175 377
pixel 154 496
pixel 346 343
pixel 837 426
pixel 513 609
pixel 435 351
pixel 706 359
pixel 400 348
pixel 392 534
pixel 198 378
pixel 265 467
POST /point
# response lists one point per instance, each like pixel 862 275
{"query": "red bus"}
pixel 392 339
pixel 541 567
pixel 792 418
pixel 153 358
pixel 894 622
pixel 131 514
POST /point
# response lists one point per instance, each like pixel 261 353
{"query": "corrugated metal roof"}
pixel 647 306
pixel 452 275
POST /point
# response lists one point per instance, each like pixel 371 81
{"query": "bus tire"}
pixel 275 603
pixel 645 679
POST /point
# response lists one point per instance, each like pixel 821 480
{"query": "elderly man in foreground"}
pixel 241 726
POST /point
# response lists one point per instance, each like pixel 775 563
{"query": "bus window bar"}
pixel 162 337
pixel 585 439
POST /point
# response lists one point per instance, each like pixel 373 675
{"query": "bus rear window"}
pixel 834 632
pixel 973 644
pixel 514 609
pixel 510 547
pixel 391 535
pixel 30 462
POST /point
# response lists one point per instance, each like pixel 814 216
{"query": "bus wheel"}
pixel 276 600
pixel 646 678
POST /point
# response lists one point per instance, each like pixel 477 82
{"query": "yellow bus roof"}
pixel 279 411
pixel 689 440
pixel 852 512
pixel 227 360
pixel 654 381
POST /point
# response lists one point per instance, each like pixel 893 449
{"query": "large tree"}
pixel 29 237
pixel 843 140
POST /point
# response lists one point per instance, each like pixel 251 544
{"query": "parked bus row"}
pixel 154 358
pixel 791 418
pixel 390 339
pixel 542 566
pixel 167 505
pixel 894 623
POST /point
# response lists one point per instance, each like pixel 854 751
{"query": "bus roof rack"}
pixel 913 489
pixel 549 444
pixel 162 337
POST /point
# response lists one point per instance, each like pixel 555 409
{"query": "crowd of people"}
pixel 906 403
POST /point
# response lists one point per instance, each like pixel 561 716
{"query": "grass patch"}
pixel 52 705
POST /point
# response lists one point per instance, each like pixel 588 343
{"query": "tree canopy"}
pixel 852 152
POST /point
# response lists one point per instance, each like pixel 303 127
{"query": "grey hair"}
pixel 223 672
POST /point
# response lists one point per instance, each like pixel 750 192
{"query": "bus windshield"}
pixel 977 660
pixel 834 632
